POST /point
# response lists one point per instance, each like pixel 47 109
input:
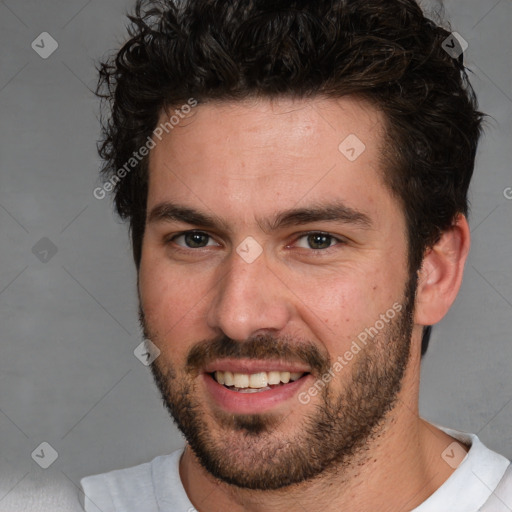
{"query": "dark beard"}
pixel 248 450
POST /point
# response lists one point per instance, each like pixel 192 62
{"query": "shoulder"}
pixel 501 497
pixel 135 488
pixel 476 483
pixel 38 491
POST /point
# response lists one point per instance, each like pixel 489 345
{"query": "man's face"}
pixel 252 292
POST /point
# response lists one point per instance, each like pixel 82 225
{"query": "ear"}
pixel 441 273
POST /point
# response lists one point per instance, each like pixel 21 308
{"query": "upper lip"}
pixel 255 366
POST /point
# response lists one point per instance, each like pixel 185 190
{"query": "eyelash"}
pixel 316 252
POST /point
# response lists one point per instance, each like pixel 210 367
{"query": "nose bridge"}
pixel 248 298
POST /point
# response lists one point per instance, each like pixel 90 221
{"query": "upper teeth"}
pixel 255 380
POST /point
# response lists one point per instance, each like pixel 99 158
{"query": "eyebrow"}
pixel 330 212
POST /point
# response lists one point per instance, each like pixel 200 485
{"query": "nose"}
pixel 248 299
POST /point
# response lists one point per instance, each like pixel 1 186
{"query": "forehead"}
pixel 250 157
pixel 264 125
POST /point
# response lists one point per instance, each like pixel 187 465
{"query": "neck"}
pixel 399 468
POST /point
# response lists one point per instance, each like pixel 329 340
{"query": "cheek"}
pixel 337 308
pixel 170 298
pixel 336 297
pixel 167 309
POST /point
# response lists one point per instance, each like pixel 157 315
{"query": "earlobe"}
pixel 440 275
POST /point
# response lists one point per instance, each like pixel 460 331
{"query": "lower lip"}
pixel 252 403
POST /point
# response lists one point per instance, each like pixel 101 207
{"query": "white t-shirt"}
pixel 156 485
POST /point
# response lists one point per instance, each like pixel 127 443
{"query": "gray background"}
pixel 69 326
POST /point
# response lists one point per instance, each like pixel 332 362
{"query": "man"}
pixel 295 176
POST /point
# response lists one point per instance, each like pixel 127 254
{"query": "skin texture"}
pixel 245 162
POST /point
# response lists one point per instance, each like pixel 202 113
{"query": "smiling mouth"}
pixel 255 382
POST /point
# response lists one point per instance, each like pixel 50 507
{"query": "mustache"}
pixel 263 347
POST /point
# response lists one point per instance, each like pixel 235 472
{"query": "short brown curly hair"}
pixel 385 51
